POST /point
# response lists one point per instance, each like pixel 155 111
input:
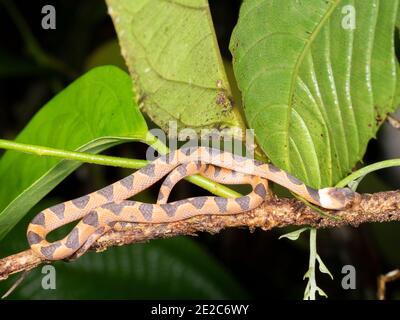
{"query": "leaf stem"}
pixel 73 155
pixel 209 185
pixel 368 169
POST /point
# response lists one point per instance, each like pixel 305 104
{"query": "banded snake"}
pixel 108 208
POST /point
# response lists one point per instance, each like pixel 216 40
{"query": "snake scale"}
pixel 108 208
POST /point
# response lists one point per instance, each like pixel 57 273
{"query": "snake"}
pixel 108 208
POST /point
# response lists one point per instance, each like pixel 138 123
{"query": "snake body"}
pixel 108 208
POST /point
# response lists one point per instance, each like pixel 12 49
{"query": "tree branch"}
pixel 273 213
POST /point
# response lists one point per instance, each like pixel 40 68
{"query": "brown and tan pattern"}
pixel 107 208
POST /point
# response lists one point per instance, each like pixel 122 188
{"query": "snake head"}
pixel 336 198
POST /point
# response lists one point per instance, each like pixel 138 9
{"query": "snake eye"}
pixel 348 193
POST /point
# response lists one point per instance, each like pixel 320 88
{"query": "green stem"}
pixel 368 169
pixel 73 155
pixel 209 185
pixel 156 143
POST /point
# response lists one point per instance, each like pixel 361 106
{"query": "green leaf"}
pixel 294 235
pixel 172 54
pixel 92 114
pixel 314 91
pixel 322 267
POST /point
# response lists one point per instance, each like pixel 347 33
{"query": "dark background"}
pixel 263 265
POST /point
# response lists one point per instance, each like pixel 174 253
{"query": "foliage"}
pixel 316 89
pixel 173 57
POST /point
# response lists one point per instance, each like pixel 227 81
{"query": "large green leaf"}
pixel 94 113
pixel 172 54
pixel 314 90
